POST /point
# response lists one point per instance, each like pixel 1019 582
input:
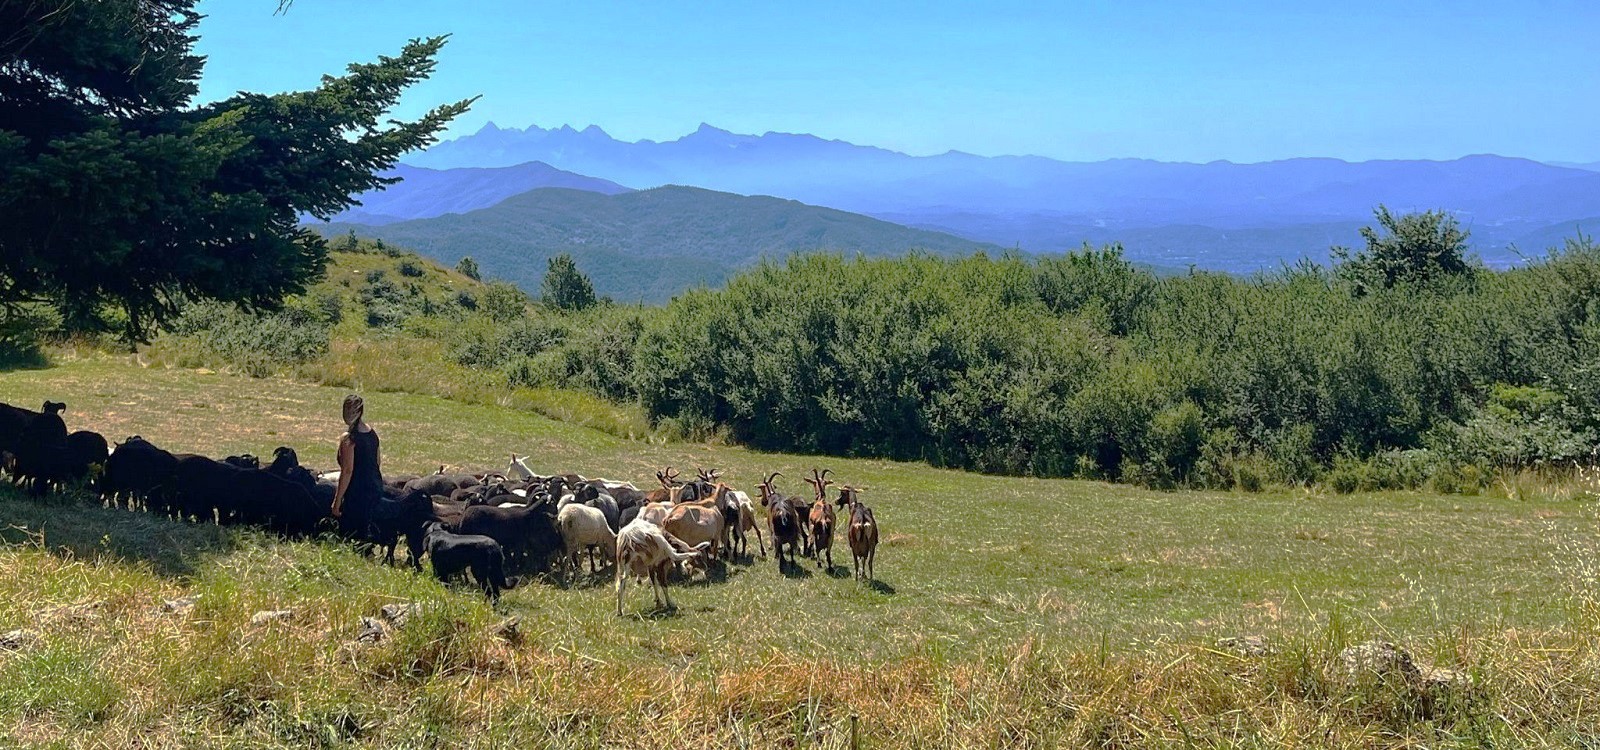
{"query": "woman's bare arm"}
pixel 346 464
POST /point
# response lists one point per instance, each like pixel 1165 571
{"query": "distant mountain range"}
pixel 641 245
pixel 422 192
pixel 1236 217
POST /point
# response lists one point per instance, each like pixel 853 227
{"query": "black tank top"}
pixel 366 481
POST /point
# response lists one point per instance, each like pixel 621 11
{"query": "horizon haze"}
pixel 1248 82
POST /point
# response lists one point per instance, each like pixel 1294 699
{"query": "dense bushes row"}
pixel 1365 375
pixel 1087 366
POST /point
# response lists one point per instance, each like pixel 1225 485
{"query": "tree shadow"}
pixel 72 523
pixel 12 360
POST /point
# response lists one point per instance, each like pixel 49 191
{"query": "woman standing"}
pixel 360 480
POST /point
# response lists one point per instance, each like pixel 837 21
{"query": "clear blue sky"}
pixel 1245 81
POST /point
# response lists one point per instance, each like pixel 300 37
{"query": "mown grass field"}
pixel 1009 612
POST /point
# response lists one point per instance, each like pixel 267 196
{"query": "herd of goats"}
pixel 485 522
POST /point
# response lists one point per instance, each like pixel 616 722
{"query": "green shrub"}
pixel 256 343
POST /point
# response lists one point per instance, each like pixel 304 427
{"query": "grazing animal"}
pixel 85 450
pixel 528 534
pixel 696 522
pixel 134 472
pixel 201 488
pixel 41 454
pixel 243 461
pixel 14 421
pixel 440 483
pixel 643 550
pixel 862 531
pixel 667 493
pixel 384 521
pixel 746 524
pixel 583 528
pixel 286 465
pixel 821 520
pixel 262 498
pixel 782 521
pixel 452 554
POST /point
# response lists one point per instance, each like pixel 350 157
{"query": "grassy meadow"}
pixel 1008 612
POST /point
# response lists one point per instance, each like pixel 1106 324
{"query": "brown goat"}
pixel 820 520
pixel 862 531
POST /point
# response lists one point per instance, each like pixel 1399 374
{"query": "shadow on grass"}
pixel 881 587
pixel 12 360
pixel 654 614
pixel 797 571
pixel 71 523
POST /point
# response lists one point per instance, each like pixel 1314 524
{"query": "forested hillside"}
pixel 651 244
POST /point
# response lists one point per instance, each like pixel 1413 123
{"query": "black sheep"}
pixel 528 535
pixel 41 455
pixel 14 421
pixel 441 483
pixel 85 450
pixel 263 499
pixel 383 522
pixel 134 471
pixel 201 488
pixel 286 465
pixel 453 554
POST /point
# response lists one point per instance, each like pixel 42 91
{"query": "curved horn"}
pixel 769 479
pixel 825 476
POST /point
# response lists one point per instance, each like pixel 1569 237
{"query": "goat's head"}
pixel 765 488
pixel 668 478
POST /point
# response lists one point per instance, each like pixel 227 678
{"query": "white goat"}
pixel 581 528
pixel 644 550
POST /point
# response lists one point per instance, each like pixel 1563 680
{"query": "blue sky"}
pixel 1244 81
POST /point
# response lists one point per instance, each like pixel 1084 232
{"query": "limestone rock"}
pixel 271 615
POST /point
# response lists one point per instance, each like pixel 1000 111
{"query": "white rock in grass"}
pixel 271 615
pixel 179 605
pixel 1246 645
pixel 18 640
pixel 1380 658
pixel 372 631
pixel 399 613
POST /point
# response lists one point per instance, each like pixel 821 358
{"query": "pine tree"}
pixel 566 288
pixel 116 191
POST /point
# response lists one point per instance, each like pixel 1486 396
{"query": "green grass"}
pixel 1008 612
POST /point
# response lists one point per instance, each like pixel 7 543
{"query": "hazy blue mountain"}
pixel 422 192
pixel 646 245
pixel 1218 215
pixel 875 180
